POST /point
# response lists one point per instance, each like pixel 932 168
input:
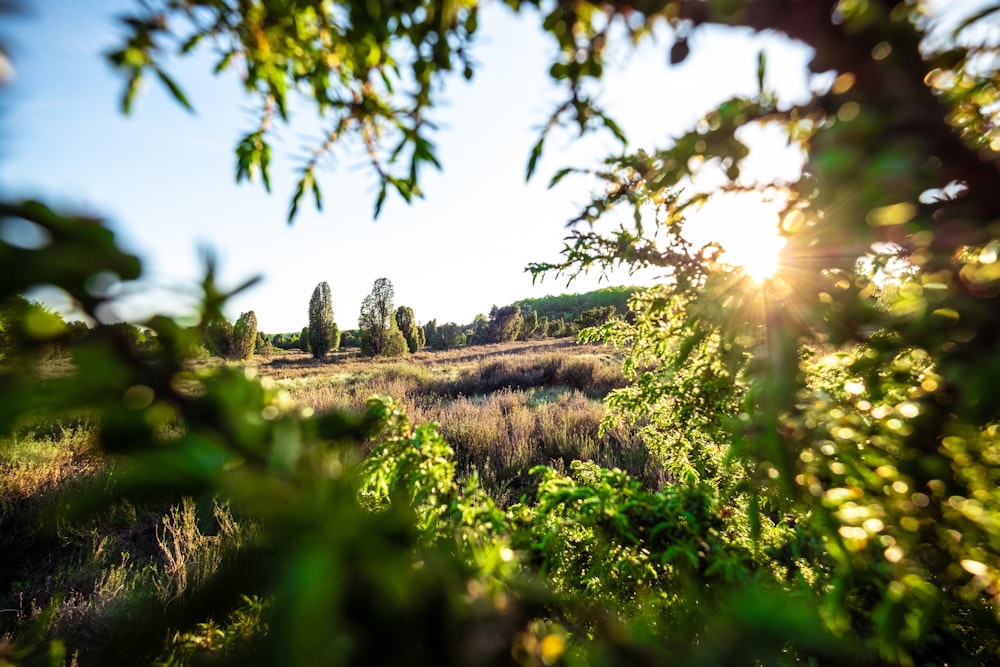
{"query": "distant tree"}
pixel 557 328
pixel 595 317
pixel 304 339
pixel 323 333
pixel 529 324
pixel 431 338
pixel 408 326
pixel 543 328
pixel 264 347
pixel 396 344
pixel 505 323
pixel 480 329
pixel 350 338
pixel 376 318
pixel 244 339
pixel 28 326
pixel 450 336
pixel 421 338
pixel 125 335
pixel 219 338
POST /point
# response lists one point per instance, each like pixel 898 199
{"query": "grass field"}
pixel 503 408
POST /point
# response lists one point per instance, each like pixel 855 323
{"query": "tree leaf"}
pixel 174 89
pixel 559 175
pixel 192 42
pixel 317 195
pixel 131 88
pixel 536 153
pixel 761 69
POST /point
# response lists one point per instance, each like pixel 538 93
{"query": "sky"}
pixel 164 178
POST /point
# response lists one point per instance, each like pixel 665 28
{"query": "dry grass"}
pixel 504 408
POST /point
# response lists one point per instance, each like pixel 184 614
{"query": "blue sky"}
pixel 164 177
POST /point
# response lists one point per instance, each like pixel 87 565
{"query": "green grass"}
pixel 504 409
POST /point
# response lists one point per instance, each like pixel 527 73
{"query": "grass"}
pixel 503 408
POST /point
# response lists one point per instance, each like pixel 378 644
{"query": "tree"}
pixel 376 318
pixel 219 337
pixel 450 336
pixel 480 330
pixel 323 332
pixel 407 323
pixel 264 347
pixel 26 327
pixel 505 324
pixel 431 337
pixel 350 338
pixel 396 344
pixel 529 324
pixel 593 317
pixel 244 340
pixel 304 339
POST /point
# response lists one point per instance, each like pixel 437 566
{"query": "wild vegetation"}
pixel 827 436
pixel 506 408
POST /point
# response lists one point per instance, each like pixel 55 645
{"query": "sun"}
pixel 746 225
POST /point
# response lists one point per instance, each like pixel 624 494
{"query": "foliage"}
pixel 570 306
pixel 396 344
pixel 219 338
pixel 377 318
pixel 593 317
pixel 407 324
pixel 263 346
pixel 23 322
pixel 323 332
pixel 244 336
pixel 350 338
pixel 505 324
pixel 832 444
pixel 447 336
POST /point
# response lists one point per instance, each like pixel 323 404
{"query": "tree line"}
pixel 387 330
pixel 384 329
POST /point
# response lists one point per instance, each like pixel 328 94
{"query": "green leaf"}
pixel 192 42
pixel 305 182
pixel 536 153
pixel 559 175
pixel 317 195
pixel 264 160
pixel 174 89
pixel 224 62
pixel 131 88
pixel 379 201
pixel 761 69
pixel 615 128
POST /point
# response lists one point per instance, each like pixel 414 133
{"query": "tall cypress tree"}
pixel 322 329
pixel 244 336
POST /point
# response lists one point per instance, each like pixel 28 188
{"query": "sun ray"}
pixel 746 226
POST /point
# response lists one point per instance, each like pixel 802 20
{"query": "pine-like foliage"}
pixel 244 336
pixel 505 323
pixel 376 317
pixel 407 324
pixel 219 338
pixel 322 329
pixel 396 344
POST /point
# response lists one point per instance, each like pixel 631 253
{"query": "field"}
pixel 503 408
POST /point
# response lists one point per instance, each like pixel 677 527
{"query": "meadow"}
pixel 503 408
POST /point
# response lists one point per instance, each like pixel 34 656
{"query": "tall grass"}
pixel 504 409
